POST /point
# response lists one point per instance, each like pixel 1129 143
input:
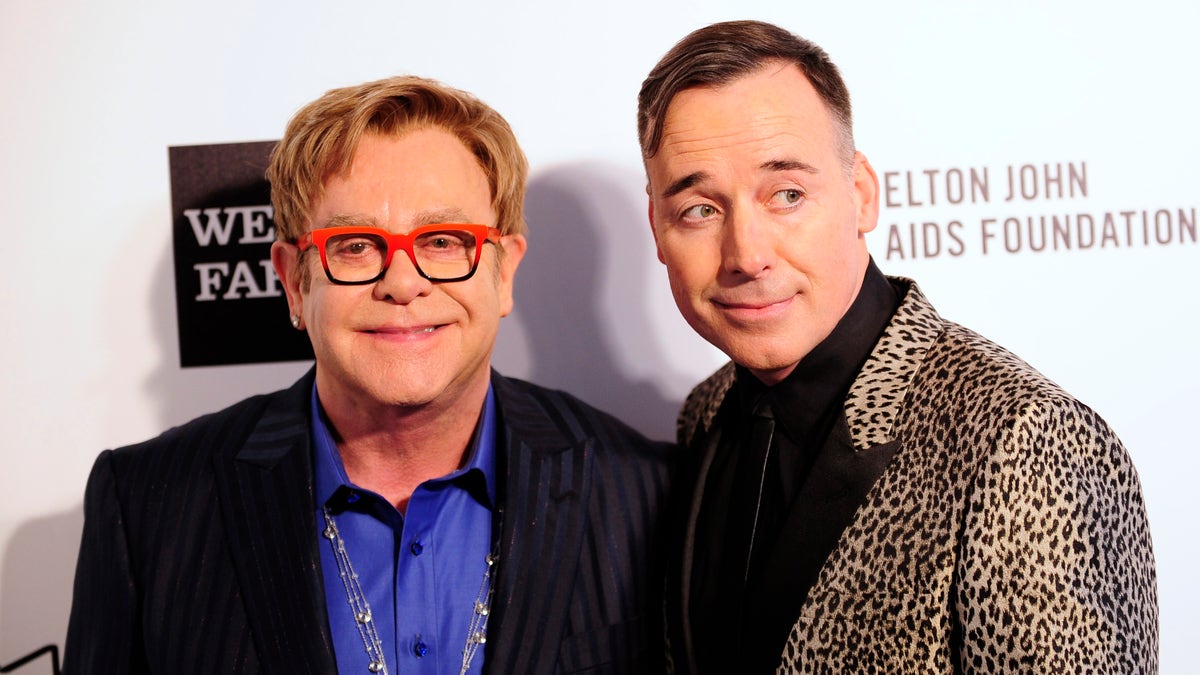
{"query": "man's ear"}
pixel 866 194
pixel 514 250
pixel 286 260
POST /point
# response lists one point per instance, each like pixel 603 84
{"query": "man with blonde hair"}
pixel 403 507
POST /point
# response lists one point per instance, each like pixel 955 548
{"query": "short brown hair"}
pixel 321 139
pixel 721 53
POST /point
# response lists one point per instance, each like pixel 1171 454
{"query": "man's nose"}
pixel 401 283
pixel 748 245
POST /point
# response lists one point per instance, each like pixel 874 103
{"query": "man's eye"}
pixel 444 241
pixel 701 211
pixel 787 197
pixel 357 246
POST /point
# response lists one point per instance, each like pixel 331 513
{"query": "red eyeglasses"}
pixel 361 255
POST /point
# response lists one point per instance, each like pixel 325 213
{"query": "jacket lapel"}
pixel 826 504
pixel 859 449
pixel 858 452
pixel 265 488
pixel 876 398
pixel 546 485
pixel 679 587
pixel 700 433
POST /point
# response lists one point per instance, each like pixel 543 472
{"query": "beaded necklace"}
pixel 361 609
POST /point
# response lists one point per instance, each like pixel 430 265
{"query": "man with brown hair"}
pixel 871 488
pixel 403 507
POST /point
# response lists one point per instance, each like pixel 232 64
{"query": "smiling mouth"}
pixel 751 306
pixel 424 330
pixel 753 311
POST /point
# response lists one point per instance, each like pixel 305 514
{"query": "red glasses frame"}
pixel 397 242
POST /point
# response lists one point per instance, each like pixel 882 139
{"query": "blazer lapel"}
pixel 859 450
pixel 826 504
pixel 546 486
pixel 855 455
pixel 680 587
pixel 265 489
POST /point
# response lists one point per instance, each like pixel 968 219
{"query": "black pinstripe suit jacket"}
pixel 200 553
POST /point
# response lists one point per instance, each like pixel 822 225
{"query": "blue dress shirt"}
pixel 421 571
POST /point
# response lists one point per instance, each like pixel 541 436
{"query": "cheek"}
pixel 480 299
pixel 680 290
pixel 692 264
pixel 313 318
pixel 323 304
pixel 685 281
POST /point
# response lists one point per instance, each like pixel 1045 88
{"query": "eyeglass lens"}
pixel 442 254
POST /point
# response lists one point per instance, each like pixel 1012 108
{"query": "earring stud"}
pixel 295 322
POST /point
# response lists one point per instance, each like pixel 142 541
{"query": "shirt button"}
pixel 417 547
pixel 420 649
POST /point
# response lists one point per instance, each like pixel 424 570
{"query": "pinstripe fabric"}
pixel 578 581
pixel 207 531
pixel 199 550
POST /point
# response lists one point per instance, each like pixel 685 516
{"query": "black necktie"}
pixel 759 485
pixel 735 540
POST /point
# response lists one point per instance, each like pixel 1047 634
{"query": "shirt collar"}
pixel 477 475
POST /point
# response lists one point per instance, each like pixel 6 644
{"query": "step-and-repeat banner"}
pixel 1037 166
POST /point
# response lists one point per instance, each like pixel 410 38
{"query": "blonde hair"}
pixel 322 137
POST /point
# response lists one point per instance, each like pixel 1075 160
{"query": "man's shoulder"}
pixel 942 352
pixel 222 431
pixel 985 388
pixel 976 366
pixel 702 403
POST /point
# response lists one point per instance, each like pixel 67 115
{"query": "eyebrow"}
pixel 698 177
pixel 788 165
pixel 685 183
pixel 350 220
pixel 448 215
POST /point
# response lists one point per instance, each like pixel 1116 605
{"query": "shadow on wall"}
pixel 589 242
pixel 37 575
pixel 186 393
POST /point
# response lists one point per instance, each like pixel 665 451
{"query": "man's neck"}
pixel 392 450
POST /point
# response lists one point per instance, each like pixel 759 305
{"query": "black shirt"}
pixel 751 489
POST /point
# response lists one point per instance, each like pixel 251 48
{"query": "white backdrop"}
pixel 94 93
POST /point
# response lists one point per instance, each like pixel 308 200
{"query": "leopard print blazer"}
pixel 1007 535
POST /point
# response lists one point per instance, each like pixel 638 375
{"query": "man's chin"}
pixel 772 374
pixel 768 367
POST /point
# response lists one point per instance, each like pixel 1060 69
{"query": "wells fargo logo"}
pixel 230 304
pixel 236 279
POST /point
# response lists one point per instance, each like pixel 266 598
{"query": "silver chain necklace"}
pixel 361 609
